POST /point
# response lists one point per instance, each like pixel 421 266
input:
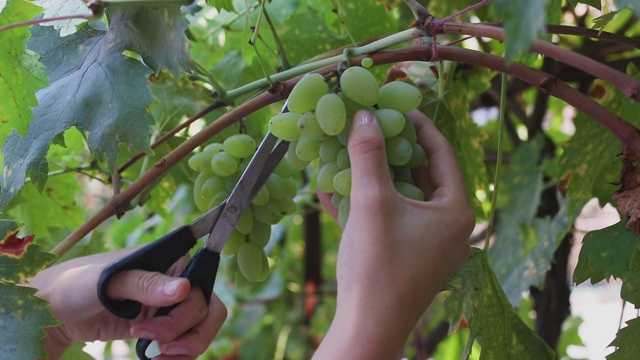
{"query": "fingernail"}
pixel 171 288
pixel 363 117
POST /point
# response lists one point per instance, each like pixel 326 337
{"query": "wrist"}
pixel 55 342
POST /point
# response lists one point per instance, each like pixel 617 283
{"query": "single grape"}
pixel 236 239
pixel 200 161
pixel 290 187
pixel 418 157
pixel 264 274
pixel 250 257
pixel 240 145
pixel 212 186
pixel 213 148
pixel 409 190
pixel 307 149
pixel 245 222
pixel 268 214
pixel 308 126
pixel 391 122
pixel 239 279
pixel 399 151
pixel 343 211
pixel 262 197
pixel 400 96
pixel 286 206
pixel 401 173
pixel 342 182
pixel 329 149
pixel 351 106
pixel 331 114
pixel 342 160
pixel 285 126
pixel 260 234
pixel 231 266
pixel 409 131
pixel 292 158
pixel 366 62
pixel 324 180
pixel 359 85
pixel 276 187
pixel 223 164
pixel 218 198
pixel 335 199
pixel 201 202
pixel 306 93
pixel 283 170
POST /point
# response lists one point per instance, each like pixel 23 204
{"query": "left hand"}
pixel 71 289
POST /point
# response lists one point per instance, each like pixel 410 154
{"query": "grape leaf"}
pixel 20 72
pixel 595 3
pixel 22 317
pixel 221 4
pixel 606 253
pixel 475 293
pixel 601 21
pixel 20 258
pixel 523 21
pixel 75 352
pixel 626 341
pixel 86 69
pixel 631 286
pixel 59 8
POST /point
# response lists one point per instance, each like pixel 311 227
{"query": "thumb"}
pixel 148 288
pixel 369 169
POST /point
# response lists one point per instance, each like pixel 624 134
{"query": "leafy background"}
pixel 79 100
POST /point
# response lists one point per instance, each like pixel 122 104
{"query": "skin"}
pixel 395 255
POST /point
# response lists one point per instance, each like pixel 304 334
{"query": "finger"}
pixel 325 200
pixel 370 172
pixel 444 172
pixel 196 341
pixel 180 320
pixel 148 288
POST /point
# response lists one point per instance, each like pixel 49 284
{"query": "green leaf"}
pixel 631 285
pixel 221 4
pixel 601 21
pixel 86 70
pixel 20 72
pixel 606 253
pixel 19 257
pixel 595 3
pixel 59 8
pixel 523 21
pixel 22 317
pixel 475 293
pixel 626 341
pixel 75 352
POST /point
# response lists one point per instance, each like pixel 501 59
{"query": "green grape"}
pixel 400 96
pixel 351 106
pixel 239 279
pixel 324 180
pixel 262 197
pixel 391 122
pixel 308 126
pixel 260 234
pixel 275 185
pixel 213 148
pixel 342 182
pixel 201 202
pixel 418 157
pixel 331 114
pixel 224 164
pixel 359 85
pixel 307 149
pixel 231 266
pixel 306 93
pixel 245 222
pixel 366 62
pixel 409 190
pixel 399 151
pixel 342 160
pixel 240 145
pixel 283 170
pixel 231 181
pixel 290 187
pixel 343 137
pixel 292 158
pixel 236 239
pixel 268 214
pixel 409 131
pixel 286 206
pixel 285 126
pixel 218 198
pixel 401 173
pixel 329 149
pixel 212 186
pixel 264 274
pixel 250 257
pixel 200 162
pixel 335 199
pixel 343 211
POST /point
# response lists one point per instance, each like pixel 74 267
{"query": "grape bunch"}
pixel 220 166
pixel 319 121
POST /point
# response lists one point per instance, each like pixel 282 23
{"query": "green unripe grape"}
pixel 359 85
pixel 212 186
pixel 400 96
pixel 268 214
pixel 342 182
pixel 239 279
pixel 399 151
pixel 290 187
pixel 351 106
pixel 409 190
pixel 245 222
pixel 342 160
pixel 260 234
pixel 401 173
pixel 236 239
pixel 283 170
pixel 306 93
pixel 391 122
pixel 223 164
pixel 331 114
pixel 343 137
pixel 262 197
pixel 218 198
pixel 409 131
pixel 200 162
pixel 265 269
pixel 285 126
pixel 335 199
pixel 276 187
pixel 329 149
pixel 308 126
pixel 286 206
pixel 213 148
pixel 201 202
pixel 250 257
pixel 292 158
pixel 231 181
pixel 307 149
pixel 240 145
pixel 324 180
pixel 231 266
pixel 418 157
pixel 366 62
pixel 343 211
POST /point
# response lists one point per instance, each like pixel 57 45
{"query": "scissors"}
pixel 219 222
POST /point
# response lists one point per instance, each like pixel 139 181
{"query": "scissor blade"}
pixel 202 225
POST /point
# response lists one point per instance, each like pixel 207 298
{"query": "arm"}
pixel 395 253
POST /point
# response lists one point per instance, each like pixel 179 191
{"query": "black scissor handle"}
pixel 201 272
pixel 157 256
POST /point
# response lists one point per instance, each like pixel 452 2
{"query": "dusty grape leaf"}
pixel 628 197
pixel 475 294
pixel 221 4
pixel 523 21
pixel 631 285
pixel 20 258
pixel 59 8
pixel 626 341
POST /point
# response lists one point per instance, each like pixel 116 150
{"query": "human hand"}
pixel 396 253
pixel 70 287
